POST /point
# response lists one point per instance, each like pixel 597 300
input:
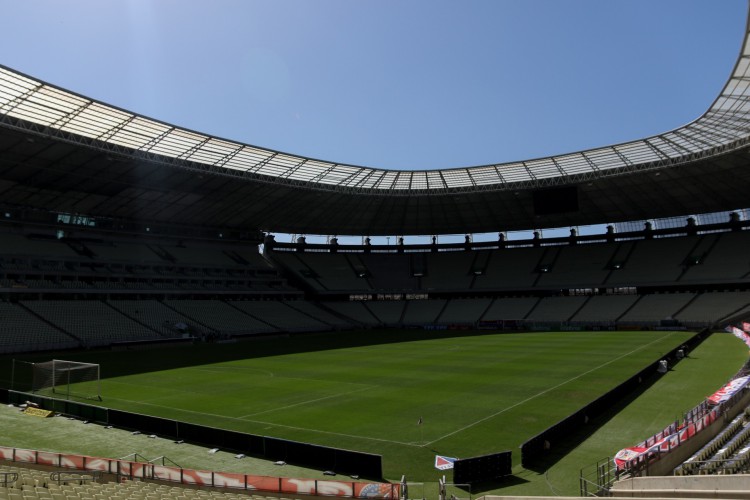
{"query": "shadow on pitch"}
pixel 132 362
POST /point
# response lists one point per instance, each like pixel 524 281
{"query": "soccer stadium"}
pixel 158 339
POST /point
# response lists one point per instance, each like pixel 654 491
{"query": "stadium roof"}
pixel 63 152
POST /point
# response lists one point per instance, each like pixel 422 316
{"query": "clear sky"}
pixel 412 84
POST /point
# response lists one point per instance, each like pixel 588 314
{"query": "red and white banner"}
pixel 729 390
pixel 746 326
pixel 739 333
pixel 664 441
pixel 144 470
pixel 627 456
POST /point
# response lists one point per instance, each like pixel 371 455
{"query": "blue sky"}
pixel 408 85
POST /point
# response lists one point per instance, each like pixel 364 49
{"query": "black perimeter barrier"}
pixel 481 469
pixel 542 444
pixel 365 465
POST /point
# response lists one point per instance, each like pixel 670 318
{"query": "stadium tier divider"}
pixel 339 460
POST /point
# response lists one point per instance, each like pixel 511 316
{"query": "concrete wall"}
pixel 708 486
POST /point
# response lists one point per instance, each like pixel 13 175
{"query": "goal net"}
pixel 67 378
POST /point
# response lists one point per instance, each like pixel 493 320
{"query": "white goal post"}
pixel 67 378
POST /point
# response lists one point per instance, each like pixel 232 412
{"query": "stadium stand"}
pixel 464 311
pixel 511 269
pixel 556 309
pixel 510 308
pixel 177 283
pixel 154 315
pixel 92 322
pixel 724 260
pixel 423 312
pixel 317 315
pixel 388 312
pixel 19 245
pixel 710 307
pixel 355 311
pixel 448 271
pixel 218 316
pixel 692 464
pixel 390 272
pixel 646 262
pixel 23 331
pixel 579 266
pixel 279 315
pixel 332 271
pixel 194 268
pixel 601 309
pixel 653 308
pixel 26 483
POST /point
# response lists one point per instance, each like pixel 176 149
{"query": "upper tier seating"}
pixel 25 246
pixel 661 260
pixel 448 271
pixel 117 263
pixel 727 259
pixel 389 272
pixel 302 271
pixel 130 252
pixel 333 271
pixel 516 268
pixel 579 266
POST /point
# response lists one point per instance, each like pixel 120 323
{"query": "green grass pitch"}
pixel 476 393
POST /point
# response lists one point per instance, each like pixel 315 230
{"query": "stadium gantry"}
pixel 104 161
